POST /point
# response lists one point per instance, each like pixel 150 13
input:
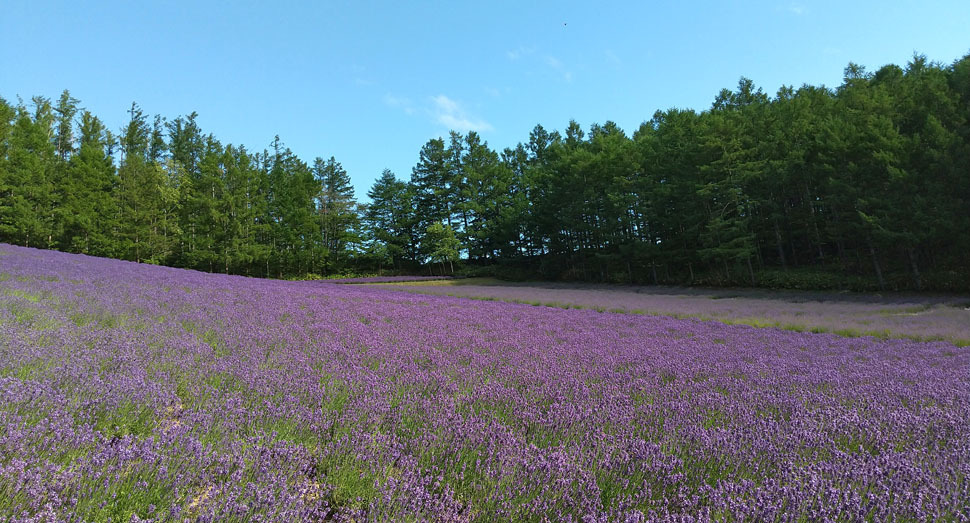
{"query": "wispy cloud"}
pixel 556 65
pixel 520 52
pixel 796 9
pixel 451 114
pixel 441 110
pixel 531 56
pixel 360 76
pixel 612 58
pixel 399 102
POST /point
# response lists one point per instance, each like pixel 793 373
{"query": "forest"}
pixel 865 186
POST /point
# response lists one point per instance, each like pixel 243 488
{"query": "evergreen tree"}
pixel 294 227
pixel 391 219
pixel 28 190
pixel 88 212
pixel 864 185
pixel 339 219
pixel 431 181
pixel 67 108
pixel 148 196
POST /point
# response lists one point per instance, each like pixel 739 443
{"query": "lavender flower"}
pixel 135 392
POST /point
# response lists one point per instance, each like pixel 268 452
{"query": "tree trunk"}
pixel 781 249
pixel 814 220
pixel 875 263
pixel 912 263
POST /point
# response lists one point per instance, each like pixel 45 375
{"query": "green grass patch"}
pixel 29 315
pixel 128 419
pixel 32 297
pixel 32 370
pixel 456 282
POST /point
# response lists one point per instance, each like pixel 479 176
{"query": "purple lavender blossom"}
pixel 136 392
pixel 918 317
pixel 388 279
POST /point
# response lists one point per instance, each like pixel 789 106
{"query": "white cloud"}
pixel 452 115
pixel 796 9
pixel 612 58
pixel 399 102
pixel 556 65
pixel 445 104
pixel 441 110
pixel 515 54
pixel 530 57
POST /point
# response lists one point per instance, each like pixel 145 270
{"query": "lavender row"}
pixel 913 317
pixel 131 391
pixel 388 279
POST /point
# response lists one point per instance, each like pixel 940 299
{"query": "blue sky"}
pixel 371 82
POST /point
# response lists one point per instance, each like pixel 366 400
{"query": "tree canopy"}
pixel 864 186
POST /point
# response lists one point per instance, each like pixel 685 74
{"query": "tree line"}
pixel 165 192
pixel 864 186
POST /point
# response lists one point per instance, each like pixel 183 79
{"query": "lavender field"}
pixel 389 279
pixel 925 318
pixel 132 392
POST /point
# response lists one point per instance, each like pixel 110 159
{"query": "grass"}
pixel 458 282
pixel 758 322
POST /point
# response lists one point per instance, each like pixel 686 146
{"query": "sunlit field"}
pixel 136 391
pixel 925 318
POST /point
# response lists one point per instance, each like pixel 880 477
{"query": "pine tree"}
pixel 337 208
pixel 430 178
pixel 88 212
pixel 295 229
pixel 26 208
pixel 148 196
pixel 390 218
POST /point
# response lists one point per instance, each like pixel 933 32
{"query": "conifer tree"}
pixel 88 211
pixel 337 208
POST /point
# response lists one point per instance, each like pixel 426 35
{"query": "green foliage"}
pixel 860 187
pixel 338 210
pixel 441 244
pixel 88 211
pixel 391 222
pixel 27 184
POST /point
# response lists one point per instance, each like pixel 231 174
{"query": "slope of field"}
pixel 132 390
pixel 926 318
